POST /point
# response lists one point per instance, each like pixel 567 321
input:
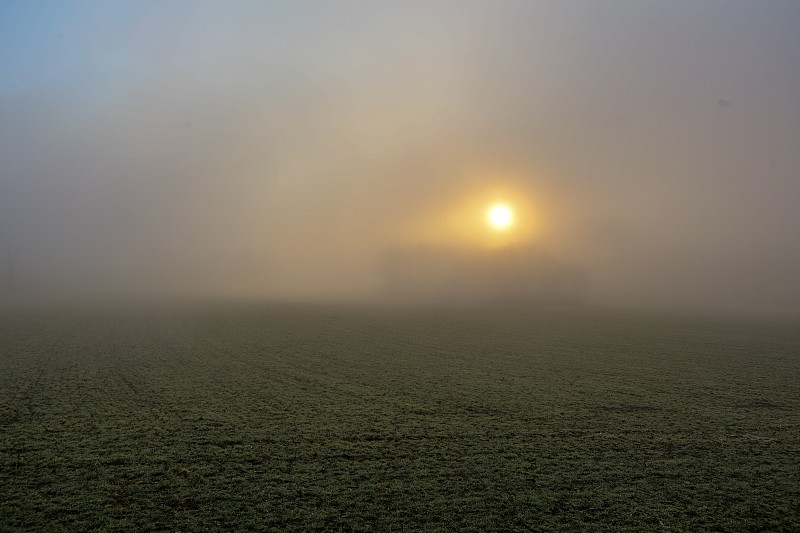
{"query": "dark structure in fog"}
pixel 510 274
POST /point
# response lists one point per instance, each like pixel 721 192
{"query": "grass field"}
pixel 236 417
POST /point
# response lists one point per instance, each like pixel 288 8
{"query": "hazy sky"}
pixel 289 148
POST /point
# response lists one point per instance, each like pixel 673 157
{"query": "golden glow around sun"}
pixel 500 216
pixel 484 216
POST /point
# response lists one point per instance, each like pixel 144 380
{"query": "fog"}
pixel 348 150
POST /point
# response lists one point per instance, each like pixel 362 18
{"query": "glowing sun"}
pixel 500 216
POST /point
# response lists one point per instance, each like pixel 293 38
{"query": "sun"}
pixel 500 216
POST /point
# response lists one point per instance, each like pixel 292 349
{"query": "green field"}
pixel 300 417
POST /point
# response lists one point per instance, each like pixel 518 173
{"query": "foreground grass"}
pixel 334 418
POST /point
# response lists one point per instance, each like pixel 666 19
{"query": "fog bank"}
pixel 349 150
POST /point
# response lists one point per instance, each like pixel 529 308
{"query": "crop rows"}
pixel 234 416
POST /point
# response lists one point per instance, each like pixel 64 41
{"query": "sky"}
pixel 349 149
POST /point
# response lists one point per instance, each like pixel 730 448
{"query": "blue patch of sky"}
pixel 68 51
